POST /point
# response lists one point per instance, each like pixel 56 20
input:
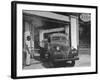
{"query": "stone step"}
pixel 84 50
pixel 84 45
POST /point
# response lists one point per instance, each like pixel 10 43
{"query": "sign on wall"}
pixel 86 17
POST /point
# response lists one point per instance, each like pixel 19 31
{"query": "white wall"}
pixel 5 40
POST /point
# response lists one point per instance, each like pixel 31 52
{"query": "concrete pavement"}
pixel 84 60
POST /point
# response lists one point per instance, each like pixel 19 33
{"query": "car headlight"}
pixel 74 50
pixel 58 48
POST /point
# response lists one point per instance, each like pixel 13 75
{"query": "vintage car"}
pixel 59 50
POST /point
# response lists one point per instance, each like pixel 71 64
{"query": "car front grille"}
pixel 60 55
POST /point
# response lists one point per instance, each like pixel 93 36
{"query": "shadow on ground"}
pixel 47 64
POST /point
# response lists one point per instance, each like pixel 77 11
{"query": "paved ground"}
pixel 84 60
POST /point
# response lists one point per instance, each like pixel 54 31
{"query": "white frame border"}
pixel 36 72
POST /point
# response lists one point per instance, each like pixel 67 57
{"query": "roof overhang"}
pixel 48 14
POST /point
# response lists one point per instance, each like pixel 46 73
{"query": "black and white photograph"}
pixel 54 39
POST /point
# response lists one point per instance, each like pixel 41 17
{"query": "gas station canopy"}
pixel 48 14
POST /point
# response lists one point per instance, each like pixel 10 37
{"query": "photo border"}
pixel 14 38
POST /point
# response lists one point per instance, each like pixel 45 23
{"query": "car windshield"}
pixel 55 38
pixel 63 38
pixel 59 38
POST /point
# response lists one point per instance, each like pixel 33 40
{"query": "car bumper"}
pixel 68 59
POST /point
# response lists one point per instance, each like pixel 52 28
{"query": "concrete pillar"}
pixel 32 39
pixel 41 37
pixel 67 31
pixel 74 31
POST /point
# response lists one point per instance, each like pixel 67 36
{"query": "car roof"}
pixel 59 43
